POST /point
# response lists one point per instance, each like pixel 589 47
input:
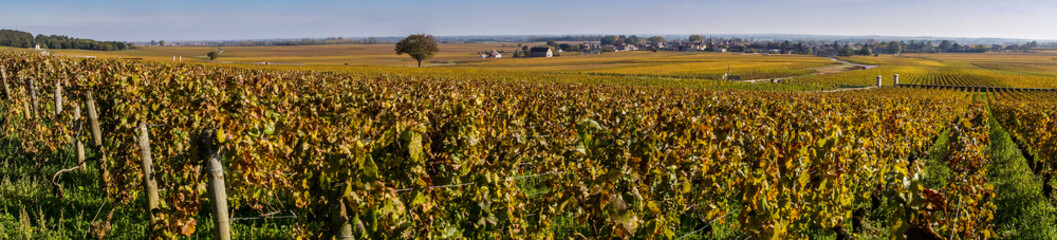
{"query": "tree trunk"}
pixel 419 62
pixel 97 136
pixel 217 193
pixel 150 185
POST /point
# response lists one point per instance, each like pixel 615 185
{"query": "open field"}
pixel 1036 70
pixel 703 65
pixel 352 54
pixel 670 64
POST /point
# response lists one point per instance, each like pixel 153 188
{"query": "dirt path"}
pixel 862 66
pixel 844 66
pixel 843 89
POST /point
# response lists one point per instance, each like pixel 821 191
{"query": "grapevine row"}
pixel 363 155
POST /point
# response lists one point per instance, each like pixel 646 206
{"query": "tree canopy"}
pixel 633 40
pixel 696 38
pixel 655 39
pixel 419 46
pixel 894 47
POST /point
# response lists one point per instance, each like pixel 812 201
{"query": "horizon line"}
pixel 626 34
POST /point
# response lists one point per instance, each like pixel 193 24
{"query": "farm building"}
pixel 541 52
pixel 491 54
pixel 698 47
pixel 687 46
pixel 627 47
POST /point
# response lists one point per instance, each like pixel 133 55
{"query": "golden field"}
pixel 670 69
pixel 705 65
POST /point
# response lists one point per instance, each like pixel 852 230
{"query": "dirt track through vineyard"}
pixel 844 66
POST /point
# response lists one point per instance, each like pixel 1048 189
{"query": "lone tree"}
pixel 212 55
pixel 419 46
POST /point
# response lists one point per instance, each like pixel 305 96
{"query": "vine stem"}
pixel 706 225
pixel 515 178
pixel 80 165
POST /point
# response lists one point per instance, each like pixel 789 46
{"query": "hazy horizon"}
pixel 204 20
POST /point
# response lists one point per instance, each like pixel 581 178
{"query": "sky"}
pixel 180 20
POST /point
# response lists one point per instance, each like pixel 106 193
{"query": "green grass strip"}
pixel 936 170
pixel 1023 212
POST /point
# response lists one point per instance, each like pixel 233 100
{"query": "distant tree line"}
pixel 566 47
pixel 621 39
pixel 947 46
pixel 565 39
pixel 20 39
pixel 838 48
pixel 302 42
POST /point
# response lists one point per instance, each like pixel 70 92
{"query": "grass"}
pixel 936 170
pixel 1023 212
pixel 30 210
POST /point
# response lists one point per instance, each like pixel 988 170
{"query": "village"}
pixel 698 43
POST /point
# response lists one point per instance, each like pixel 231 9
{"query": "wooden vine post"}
pixel 58 98
pixel 339 217
pixel 33 96
pixel 150 185
pixel 7 89
pixel 97 137
pixel 77 140
pixel 217 193
pixel 25 104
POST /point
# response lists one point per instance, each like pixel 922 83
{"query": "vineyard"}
pixel 1032 121
pixel 696 66
pixel 973 70
pixel 154 150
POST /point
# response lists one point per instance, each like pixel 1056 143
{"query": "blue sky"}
pixel 223 20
